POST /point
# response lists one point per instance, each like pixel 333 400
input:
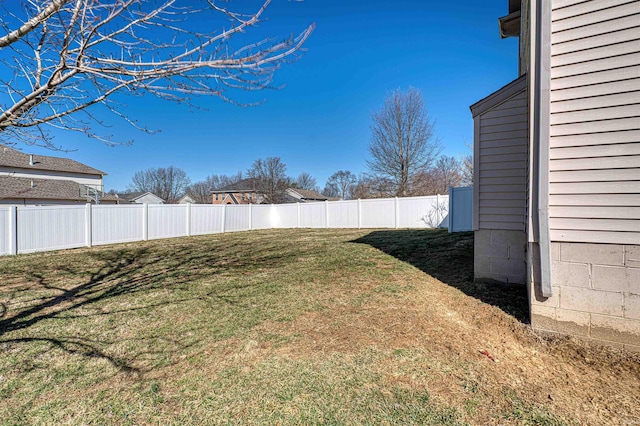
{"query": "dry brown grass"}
pixel 289 327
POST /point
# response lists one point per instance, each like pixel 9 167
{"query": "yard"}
pixel 289 327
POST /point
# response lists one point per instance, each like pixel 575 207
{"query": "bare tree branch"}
pixel 65 56
pixel 32 23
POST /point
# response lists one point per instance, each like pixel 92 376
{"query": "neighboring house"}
pixel 245 192
pixel 242 192
pixel 303 195
pixel 37 179
pixel 557 168
pixel 140 197
pixel 186 199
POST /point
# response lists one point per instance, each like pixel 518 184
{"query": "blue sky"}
pixel 319 121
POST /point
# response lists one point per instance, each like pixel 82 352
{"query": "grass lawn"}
pixel 289 327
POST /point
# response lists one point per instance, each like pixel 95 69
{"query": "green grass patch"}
pixel 268 327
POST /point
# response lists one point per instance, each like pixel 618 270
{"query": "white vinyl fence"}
pixel 26 229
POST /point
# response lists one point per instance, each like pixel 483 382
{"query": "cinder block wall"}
pixel 596 293
pixel 500 255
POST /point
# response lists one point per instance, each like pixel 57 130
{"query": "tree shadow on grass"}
pixel 113 282
pixel 110 278
pixel 449 258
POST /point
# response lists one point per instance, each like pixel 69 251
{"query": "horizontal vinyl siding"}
pixel 595 121
pixel 503 164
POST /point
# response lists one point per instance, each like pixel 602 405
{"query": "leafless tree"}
pixel 168 183
pixel 446 172
pixel 306 181
pixel 466 168
pixel 271 179
pixel 340 184
pixel 372 187
pixel 402 141
pixel 221 181
pixel 200 192
pixel 60 57
pixel 425 183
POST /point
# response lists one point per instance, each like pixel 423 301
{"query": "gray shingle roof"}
pixel 245 185
pixel 50 189
pixel 130 196
pixel 10 157
pixel 309 194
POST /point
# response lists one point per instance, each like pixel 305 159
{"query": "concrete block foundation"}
pixel 596 293
pixel 500 256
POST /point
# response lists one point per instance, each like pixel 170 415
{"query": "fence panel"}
pixel 423 212
pixel 285 216
pixel 206 219
pixel 5 230
pixel 117 223
pixel 51 228
pixel 378 213
pixel 237 217
pixel 313 215
pixel 166 221
pixel 343 214
pixel 262 216
pixel 461 209
pixel 416 212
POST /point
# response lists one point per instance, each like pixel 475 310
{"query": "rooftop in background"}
pixel 10 157
pixel 245 185
pixel 306 194
pixel 139 197
pixel 23 188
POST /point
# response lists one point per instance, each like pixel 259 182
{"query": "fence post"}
pixel 437 211
pixel 13 230
pixel 298 213
pixel 224 216
pixel 452 192
pixel 397 209
pixel 145 222
pixel 88 229
pixel 326 214
pixel 250 216
pixel 188 219
pixel 359 213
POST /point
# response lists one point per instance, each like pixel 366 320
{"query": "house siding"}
pixel 149 199
pixel 245 197
pixel 594 174
pixel 501 155
pixel 594 177
pixel 502 164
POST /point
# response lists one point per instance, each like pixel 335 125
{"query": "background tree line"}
pixel 404 160
pixel 268 176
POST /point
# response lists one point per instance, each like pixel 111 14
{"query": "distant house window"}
pixel 244 196
pixel 217 197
